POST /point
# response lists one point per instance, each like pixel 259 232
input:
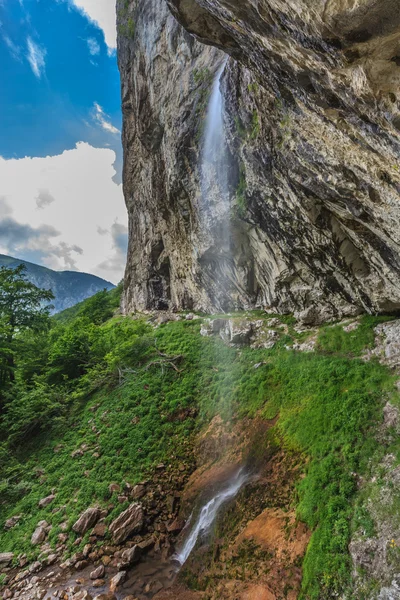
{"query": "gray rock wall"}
pixel 312 121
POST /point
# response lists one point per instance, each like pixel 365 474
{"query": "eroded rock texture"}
pixel 312 123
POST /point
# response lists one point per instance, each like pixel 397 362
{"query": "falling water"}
pixel 208 514
pixel 215 209
pixel 214 164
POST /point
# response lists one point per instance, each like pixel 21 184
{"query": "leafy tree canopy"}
pixel 23 306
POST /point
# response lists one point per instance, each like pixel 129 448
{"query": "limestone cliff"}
pixel 312 122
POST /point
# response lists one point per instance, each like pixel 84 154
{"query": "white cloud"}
pixel 101 118
pixel 82 229
pixel 94 46
pixel 101 13
pixel 36 57
pixel 119 237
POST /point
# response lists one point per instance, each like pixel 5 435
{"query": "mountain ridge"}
pixel 69 287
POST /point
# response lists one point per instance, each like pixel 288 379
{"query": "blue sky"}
pixel 60 102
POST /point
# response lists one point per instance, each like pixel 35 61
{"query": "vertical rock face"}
pixel 312 122
pixel 166 79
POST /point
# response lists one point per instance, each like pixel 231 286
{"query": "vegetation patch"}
pixel 96 400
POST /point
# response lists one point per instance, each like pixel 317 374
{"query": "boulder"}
pixel 35 567
pixel 87 520
pixel 128 522
pixel 82 595
pixel 6 557
pixel 39 535
pixel 98 573
pixel 238 332
pixel 10 523
pixel 105 597
pixel 114 487
pixel 139 490
pixel 117 581
pixel 76 453
pixel 147 545
pixel 100 530
pixel 132 555
pixel 46 501
pixel 176 526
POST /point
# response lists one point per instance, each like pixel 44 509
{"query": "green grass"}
pixel 334 340
pixel 328 403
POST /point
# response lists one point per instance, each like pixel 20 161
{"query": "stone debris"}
pixel 98 573
pixel 46 501
pixel 6 557
pixel 40 533
pixel 131 555
pixel 117 581
pixel 87 520
pixel 128 522
pixel 12 522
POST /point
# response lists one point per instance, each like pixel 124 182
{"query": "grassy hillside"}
pixel 114 397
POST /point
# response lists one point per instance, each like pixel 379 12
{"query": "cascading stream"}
pixel 214 171
pixel 208 514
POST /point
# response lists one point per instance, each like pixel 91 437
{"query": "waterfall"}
pixel 208 514
pixel 214 166
pixel 215 211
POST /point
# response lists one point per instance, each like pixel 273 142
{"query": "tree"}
pixel 23 306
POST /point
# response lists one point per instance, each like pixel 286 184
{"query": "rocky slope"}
pixel 312 123
pixel 315 427
pixel 68 287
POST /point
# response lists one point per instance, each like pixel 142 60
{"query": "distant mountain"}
pixel 68 287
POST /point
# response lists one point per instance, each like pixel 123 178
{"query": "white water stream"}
pixel 215 191
pixel 214 145
pixel 209 513
pixel 214 169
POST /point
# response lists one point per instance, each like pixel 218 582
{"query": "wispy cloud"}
pixel 101 118
pixel 36 57
pixel 15 50
pixel 102 14
pixel 94 46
